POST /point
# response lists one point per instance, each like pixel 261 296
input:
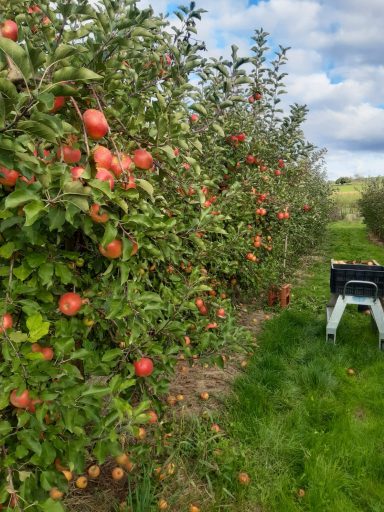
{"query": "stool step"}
pixel 336 307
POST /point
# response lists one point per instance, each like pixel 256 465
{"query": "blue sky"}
pixel 335 67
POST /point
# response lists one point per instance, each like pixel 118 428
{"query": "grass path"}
pixel 298 419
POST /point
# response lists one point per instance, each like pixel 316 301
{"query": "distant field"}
pixel 346 197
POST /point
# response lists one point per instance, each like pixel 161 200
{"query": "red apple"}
pixel 22 400
pixel 58 103
pixel 95 124
pixel 113 250
pixel 70 303
pixel 9 30
pixel 250 159
pixel 152 417
pixel 69 154
pixel 34 9
pixel 142 159
pixel 194 118
pixel 280 215
pixel 105 175
pixel 8 177
pixel 143 367
pixel 277 172
pixel 77 172
pixel 48 353
pixel 6 322
pixel 102 157
pixel 99 218
pixel 126 164
pixel 31 407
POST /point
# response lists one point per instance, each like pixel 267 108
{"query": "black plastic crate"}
pixel 341 273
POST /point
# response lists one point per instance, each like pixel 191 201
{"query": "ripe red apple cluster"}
pixel 235 139
pixel 251 257
pixel 200 304
pixel 23 400
pixel 257 96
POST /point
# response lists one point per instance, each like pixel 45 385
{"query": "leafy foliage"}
pixel 171 232
pixel 371 205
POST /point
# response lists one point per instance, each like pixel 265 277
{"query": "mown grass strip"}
pixel 299 419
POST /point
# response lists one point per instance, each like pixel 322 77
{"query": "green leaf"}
pixel 169 151
pixel 73 74
pixel 218 129
pixel 197 107
pixel 243 80
pixel 5 428
pixel 18 337
pixel 110 355
pixel 46 273
pixel 63 273
pixel 18 56
pixel 37 327
pixel 32 212
pixel 141 32
pixel 27 437
pixel 7 250
pixel 21 451
pixel 101 185
pixel 24 475
pixel 76 188
pixel 56 218
pixel 22 272
pixel 51 506
pixel 82 353
pixel 145 185
pixel 64 51
pixel 19 197
pixel 127 253
pixel 8 90
pixel 96 391
pixel 34 260
pixel 81 202
pixel 110 234
pixel 40 130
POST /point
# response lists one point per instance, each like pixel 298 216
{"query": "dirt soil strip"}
pixel 191 381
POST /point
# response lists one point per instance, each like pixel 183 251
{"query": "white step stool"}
pixel 338 302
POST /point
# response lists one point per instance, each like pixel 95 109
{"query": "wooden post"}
pixel 285 255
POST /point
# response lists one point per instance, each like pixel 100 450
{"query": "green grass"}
pixel 346 197
pixel 298 418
